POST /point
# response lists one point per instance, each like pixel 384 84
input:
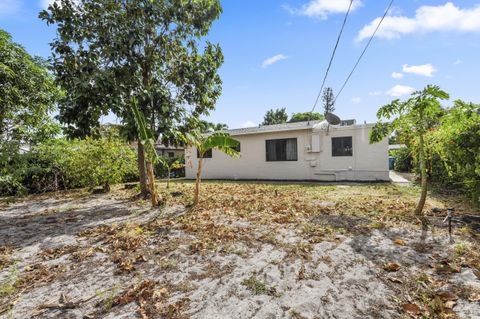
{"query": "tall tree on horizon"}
pixel 277 116
pixel 328 101
pixel 108 51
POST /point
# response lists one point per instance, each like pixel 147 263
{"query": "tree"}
pixel 277 116
pixel 205 126
pixel 306 116
pixel 27 96
pixel 147 140
pixel 205 143
pixel 412 119
pixel 328 101
pixel 220 127
pixel 107 51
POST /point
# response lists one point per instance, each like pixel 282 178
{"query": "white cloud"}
pixel 447 17
pixel 400 90
pixel 356 99
pixel 424 69
pixel 375 93
pixel 457 62
pixel 249 124
pixel 274 59
pixel 323 8
pixel 9 6
pixel 397 75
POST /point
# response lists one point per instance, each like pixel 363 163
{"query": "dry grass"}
pixel 233 217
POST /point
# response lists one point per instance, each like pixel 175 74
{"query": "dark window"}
pixel 236 148
pixel 171 154
pixel 207 154
pixel 342 146
pixel 281 150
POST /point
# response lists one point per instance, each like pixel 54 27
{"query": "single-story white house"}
pixel 169 150
pixel 311 150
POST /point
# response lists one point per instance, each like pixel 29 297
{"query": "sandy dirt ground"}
pixel 78 255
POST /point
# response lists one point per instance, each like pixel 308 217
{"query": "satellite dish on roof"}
pixel 332 119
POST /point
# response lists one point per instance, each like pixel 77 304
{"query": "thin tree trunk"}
pixel 423 174
pixel 168 178
pixel 198 180
pixel 151 181
pixel 142 171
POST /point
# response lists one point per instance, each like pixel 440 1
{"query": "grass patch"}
pixel 8 286
pixel 258 287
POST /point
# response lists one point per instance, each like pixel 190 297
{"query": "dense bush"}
pixel 403 159
pixel 62 164
pixel 457 144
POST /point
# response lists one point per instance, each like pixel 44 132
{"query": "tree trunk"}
pixel 423 174
pixel 152 185
pixel 142 171
pixel 197 181
pixel 168 178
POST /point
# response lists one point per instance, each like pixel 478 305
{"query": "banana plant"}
pixel 146 138
pixel 204 143
pixel 170 166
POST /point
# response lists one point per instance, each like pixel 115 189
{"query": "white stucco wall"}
pixel 369 162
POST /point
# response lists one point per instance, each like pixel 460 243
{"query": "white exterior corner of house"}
pixel 313 160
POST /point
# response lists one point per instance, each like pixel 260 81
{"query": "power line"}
pixel 332 56
pixel 363 52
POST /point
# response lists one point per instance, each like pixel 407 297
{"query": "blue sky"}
pixel 276 52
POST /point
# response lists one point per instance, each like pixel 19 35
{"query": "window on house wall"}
pixel 281 150
pixel 342 146
pixel 171 154
pixel 207 154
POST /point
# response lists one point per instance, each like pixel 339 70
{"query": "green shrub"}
pixel 403 159
pixel 63 164
pixel 457 145
pixel 9 185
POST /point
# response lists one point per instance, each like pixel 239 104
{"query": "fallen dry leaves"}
pixel 151 301
pixel 412 309
pixel 391 266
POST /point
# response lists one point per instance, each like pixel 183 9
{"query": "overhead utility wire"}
pixel 363 52
pixel 333 54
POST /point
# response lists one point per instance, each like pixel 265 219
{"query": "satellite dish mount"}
pixel 332 119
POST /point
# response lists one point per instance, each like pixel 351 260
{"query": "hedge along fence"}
pixel 66 164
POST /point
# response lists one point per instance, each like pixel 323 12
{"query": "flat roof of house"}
pixel 273 128
pixel 284 127
pixel 160 146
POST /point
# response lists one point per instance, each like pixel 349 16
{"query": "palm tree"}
pixel 204 143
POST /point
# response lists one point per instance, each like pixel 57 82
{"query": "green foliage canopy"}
pixel 306 116
pixel 27 95
pixel 277 116
pixel 108 50
pixel 410 118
